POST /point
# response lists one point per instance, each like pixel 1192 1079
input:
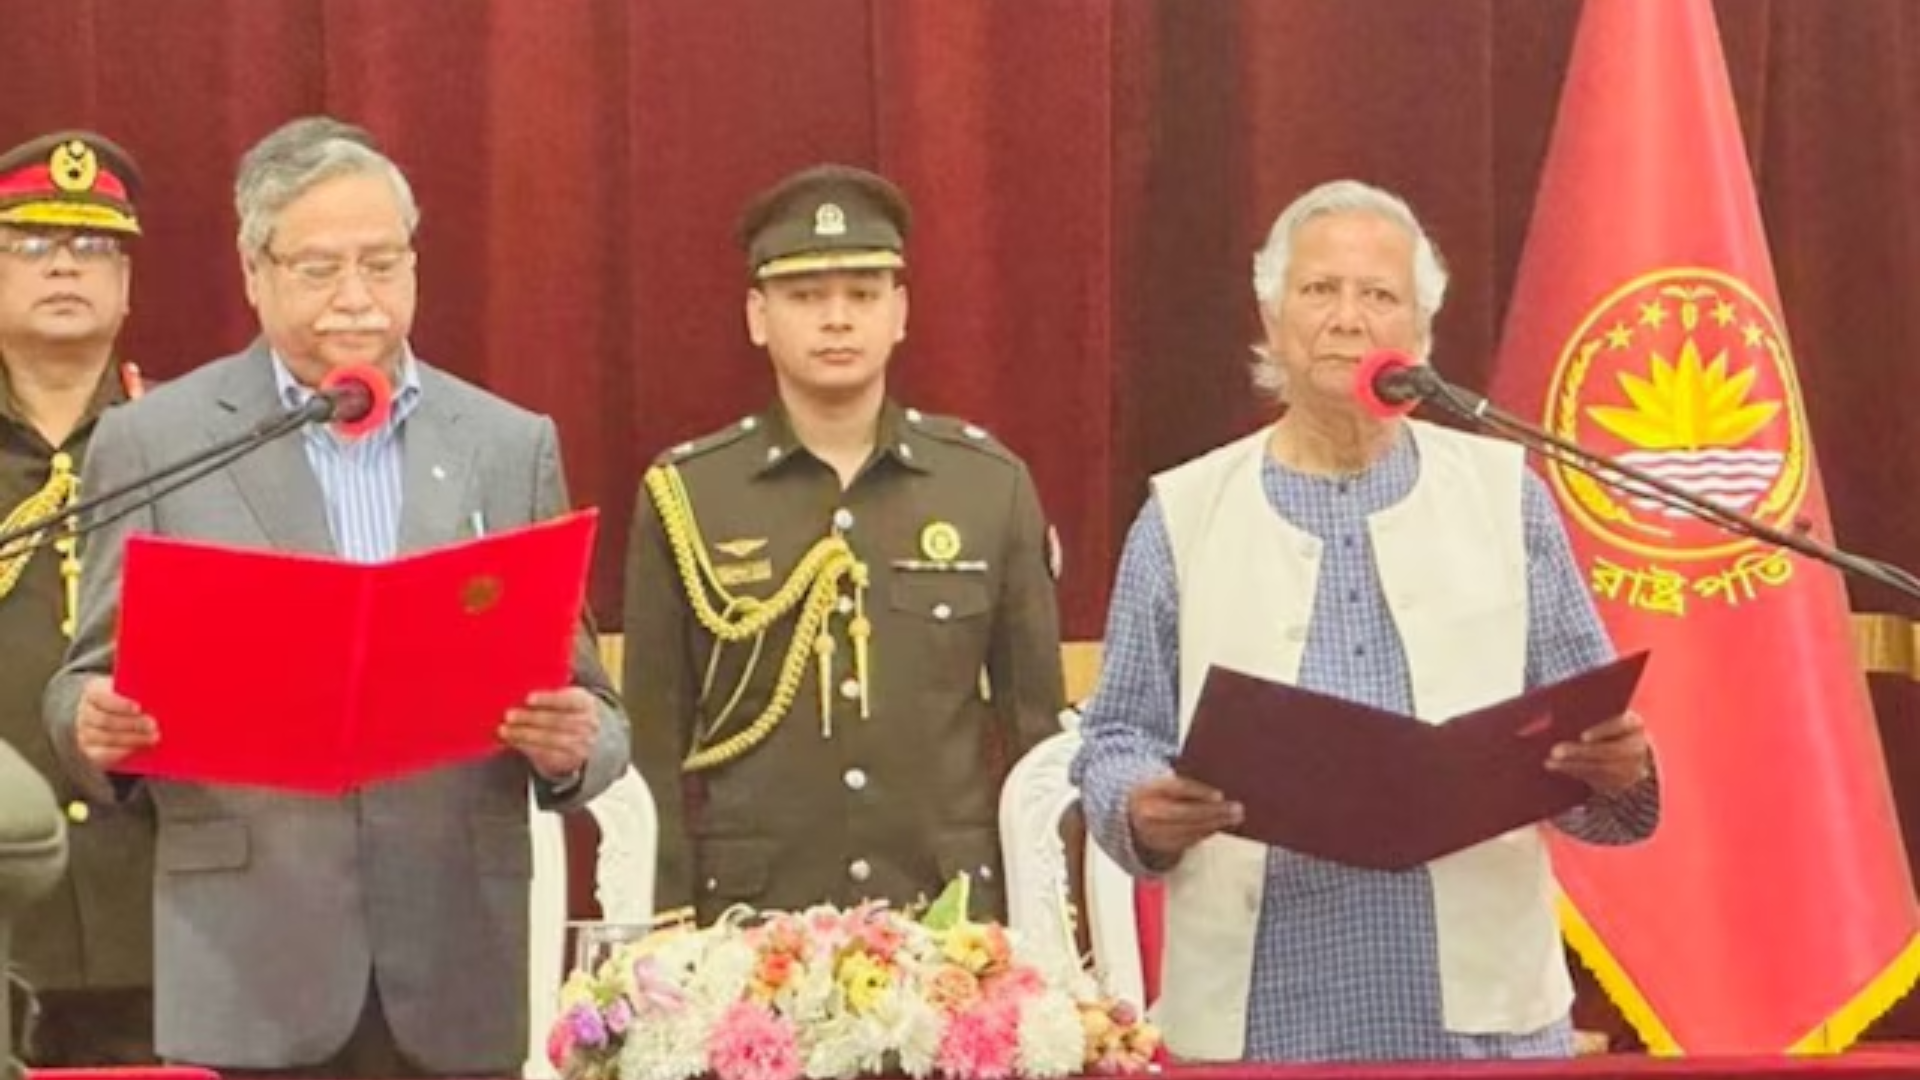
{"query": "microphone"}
pixel 355 399
pixel 358 399
pixel 1390 383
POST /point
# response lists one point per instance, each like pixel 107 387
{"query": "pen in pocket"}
pixel 479 525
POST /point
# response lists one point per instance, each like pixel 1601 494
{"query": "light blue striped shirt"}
pixel 359 477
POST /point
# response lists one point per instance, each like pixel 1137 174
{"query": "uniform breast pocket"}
pixel 943 622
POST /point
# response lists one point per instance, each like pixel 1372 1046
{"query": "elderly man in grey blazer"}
pixel 382 933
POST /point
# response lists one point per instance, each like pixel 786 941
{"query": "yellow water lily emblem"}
pixel 1686 375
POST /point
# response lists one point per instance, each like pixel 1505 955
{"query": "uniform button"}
pixel 856 780
pixel 986 873
pixel 845 606
pixel 1359 650
pixel 1346 541
pixel 913 416
pixel 749 424
pixel 78 812
pixel 859 870
pixel 773 453
pixel 906 452
pixel 850 689
pixel 713 884
pixel 942 612
pixel 1343 487
pixel 1353 596
pixel 843 519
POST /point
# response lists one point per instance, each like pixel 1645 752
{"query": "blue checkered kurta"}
pixel 1345 964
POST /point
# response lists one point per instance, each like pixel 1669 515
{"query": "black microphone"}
pixel 354 399
pixel 1391 383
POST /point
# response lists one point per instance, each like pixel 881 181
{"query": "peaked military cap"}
pixel 72 180
pixel 828 217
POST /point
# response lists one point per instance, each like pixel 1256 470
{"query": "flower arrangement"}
pixel 831 993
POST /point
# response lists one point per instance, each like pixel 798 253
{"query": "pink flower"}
pixel 750 1043
pixel 1013 985
pixel 559 1044
pixel 980 1044
pixel 653 993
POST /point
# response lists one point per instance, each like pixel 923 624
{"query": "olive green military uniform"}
pixel 885 786
pixel 86 948
pixel 828 683
pixel 95 930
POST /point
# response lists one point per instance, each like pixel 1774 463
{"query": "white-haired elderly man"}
pixel 380 933
pixel 1377 584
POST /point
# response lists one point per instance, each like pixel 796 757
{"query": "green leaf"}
pixel 950 908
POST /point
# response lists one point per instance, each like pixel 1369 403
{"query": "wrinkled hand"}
pixel 108 727
pixel 1170 814
pixel 1610 757
pixel 555 729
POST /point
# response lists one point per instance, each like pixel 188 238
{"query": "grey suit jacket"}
pixel 271 911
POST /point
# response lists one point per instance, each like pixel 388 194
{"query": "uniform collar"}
pixel 897 438
pixel 109 391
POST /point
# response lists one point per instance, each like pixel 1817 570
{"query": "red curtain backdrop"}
pixel 1091 180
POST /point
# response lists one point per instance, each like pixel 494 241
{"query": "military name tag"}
pixel 746 573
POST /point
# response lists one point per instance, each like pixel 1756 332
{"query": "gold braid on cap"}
pixel 811 589
pixel 58 493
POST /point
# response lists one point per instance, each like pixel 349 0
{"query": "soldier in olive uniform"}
pixel 840 618
pixel 66 217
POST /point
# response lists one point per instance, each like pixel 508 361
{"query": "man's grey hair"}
pixel 294 160
pixel 1342 197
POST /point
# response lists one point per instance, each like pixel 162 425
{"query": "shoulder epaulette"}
pixel 958 432
pixel 711 441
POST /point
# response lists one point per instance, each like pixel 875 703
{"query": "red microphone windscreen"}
pixel 379 392
pixel 1374 364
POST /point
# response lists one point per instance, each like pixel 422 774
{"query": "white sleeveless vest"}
pixel 1452 563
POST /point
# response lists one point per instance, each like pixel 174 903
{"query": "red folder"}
pixel 1375 789
pixel 316 675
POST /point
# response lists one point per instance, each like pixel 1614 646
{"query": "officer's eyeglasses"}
pixel 325 273
pixel 84 247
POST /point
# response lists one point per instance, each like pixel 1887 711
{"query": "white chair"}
pixel 623 883
pixel 1037 798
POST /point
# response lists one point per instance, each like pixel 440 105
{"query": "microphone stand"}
pixel 187 470
pixel 1477 410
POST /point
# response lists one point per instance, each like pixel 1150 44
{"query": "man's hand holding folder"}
pixel 338 674
pixel 1341 781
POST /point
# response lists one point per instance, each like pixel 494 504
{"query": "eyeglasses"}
pixel 84 247
pixel 325 273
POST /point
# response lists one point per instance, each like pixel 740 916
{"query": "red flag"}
pixel 1773 910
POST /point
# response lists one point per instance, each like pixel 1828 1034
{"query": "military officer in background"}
pixel 840 617
pixel 66 217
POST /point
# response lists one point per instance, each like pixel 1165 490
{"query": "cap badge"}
pixel 73 166
pixel 829 220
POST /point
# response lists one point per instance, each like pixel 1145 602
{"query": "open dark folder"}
pixel 1374 789
pixel 308 674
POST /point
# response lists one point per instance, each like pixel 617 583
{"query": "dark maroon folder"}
pixel 1375 789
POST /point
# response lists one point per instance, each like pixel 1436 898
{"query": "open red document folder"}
pixel 311 674
pixel 1374 789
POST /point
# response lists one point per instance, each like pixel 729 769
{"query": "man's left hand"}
pixel 555 729
pixel 1610 757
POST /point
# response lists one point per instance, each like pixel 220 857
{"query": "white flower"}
pixel 722 976
pixel 1052 1043
pixel 666 1049
pixel 916 1035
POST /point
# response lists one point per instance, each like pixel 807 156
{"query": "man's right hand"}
pixel 109 727
pixel 1170 814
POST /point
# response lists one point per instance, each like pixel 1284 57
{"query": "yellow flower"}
pixel 864 980
pixel 966 945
